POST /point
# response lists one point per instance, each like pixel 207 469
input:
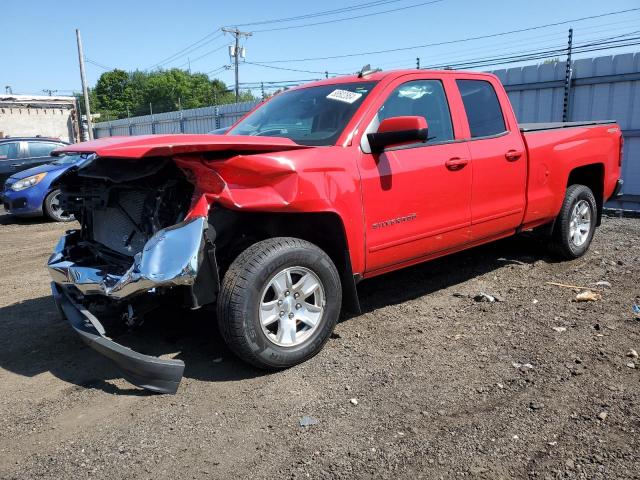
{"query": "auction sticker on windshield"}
pixel 344 96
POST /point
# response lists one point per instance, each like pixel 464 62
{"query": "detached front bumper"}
pixel 148 372
pixel 177 256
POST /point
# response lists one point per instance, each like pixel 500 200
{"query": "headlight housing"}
pixel 28 182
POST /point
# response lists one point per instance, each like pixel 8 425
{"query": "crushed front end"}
pixel 140 246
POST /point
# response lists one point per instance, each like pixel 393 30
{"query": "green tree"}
pixel 113 92
pixel 118 92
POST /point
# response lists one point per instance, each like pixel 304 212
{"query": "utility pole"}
pixel 567 79
pixel 7 90
pixel 262 89
pixel 85 91
pixel 49 91
pixel 235 52
pixel 418 63
pixel 326 74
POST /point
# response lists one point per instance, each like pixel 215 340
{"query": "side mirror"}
pixel 397 131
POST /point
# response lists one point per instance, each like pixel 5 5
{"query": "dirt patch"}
pixel 533 385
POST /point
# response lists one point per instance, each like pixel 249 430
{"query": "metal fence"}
pixel 196 120
pixel 600 88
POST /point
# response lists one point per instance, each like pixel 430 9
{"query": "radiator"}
pixel 115 229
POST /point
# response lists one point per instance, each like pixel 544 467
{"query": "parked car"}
pixel 320 187
pixel 30 194
pixel 21 153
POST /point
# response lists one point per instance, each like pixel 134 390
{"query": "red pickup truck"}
pixel 273 224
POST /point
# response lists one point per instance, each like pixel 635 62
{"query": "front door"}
pixel 416 197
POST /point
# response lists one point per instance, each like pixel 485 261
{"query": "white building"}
pixel 38 115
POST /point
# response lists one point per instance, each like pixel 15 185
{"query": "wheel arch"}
pixel 237 230
pixel 592 176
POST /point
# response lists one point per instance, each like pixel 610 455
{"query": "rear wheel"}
pixel 53 210
pixel 279 302
pixel 576 223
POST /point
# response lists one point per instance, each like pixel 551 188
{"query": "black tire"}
pixel 52 211
pixel 240 296
pixel 561 242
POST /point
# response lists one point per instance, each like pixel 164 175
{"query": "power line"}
pixel 538 54
pixel 277 82
pixel 510 57
pixel 529 41
pixel 546 49
pixel 219 69
pixel 449 42
pixel 290 69
pixel 350 18
pixel 202 56
pixel 189 48
pixel 93 62
pixel 359 6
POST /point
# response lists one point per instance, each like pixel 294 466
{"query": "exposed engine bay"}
pixel 121 204
pixel 135 238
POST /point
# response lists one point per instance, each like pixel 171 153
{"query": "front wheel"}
pixel 53 210
pixel 576 223
pixel 279 302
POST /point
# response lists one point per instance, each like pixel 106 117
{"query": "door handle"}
pixel 512 155
pixel 456 163
pixel 16 164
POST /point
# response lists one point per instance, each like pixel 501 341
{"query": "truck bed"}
pixel 554 150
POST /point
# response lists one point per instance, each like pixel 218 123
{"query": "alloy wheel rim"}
pixel 291 306
pixel 580 223
pixel 54 204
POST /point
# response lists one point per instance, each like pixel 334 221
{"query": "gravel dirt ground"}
pixel 536 385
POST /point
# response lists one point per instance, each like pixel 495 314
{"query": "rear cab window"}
pixel 482 107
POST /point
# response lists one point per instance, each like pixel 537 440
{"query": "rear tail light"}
pixel 621 150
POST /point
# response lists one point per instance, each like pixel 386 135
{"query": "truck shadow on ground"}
pixel 34 339
pixel 414 282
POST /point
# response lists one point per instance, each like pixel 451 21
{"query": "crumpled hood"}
pixel 168 145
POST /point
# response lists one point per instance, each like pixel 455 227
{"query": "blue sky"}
pixel 40 50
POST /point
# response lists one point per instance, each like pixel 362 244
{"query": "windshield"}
pixel 308 116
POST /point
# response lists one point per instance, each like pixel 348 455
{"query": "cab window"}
pixel 424 98
pixel 482 107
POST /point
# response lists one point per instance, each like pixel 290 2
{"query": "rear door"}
pixel 498 153
pixel 39 152
pixel 9 160
pixel 416 201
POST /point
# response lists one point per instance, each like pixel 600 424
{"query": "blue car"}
pixel 29 193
